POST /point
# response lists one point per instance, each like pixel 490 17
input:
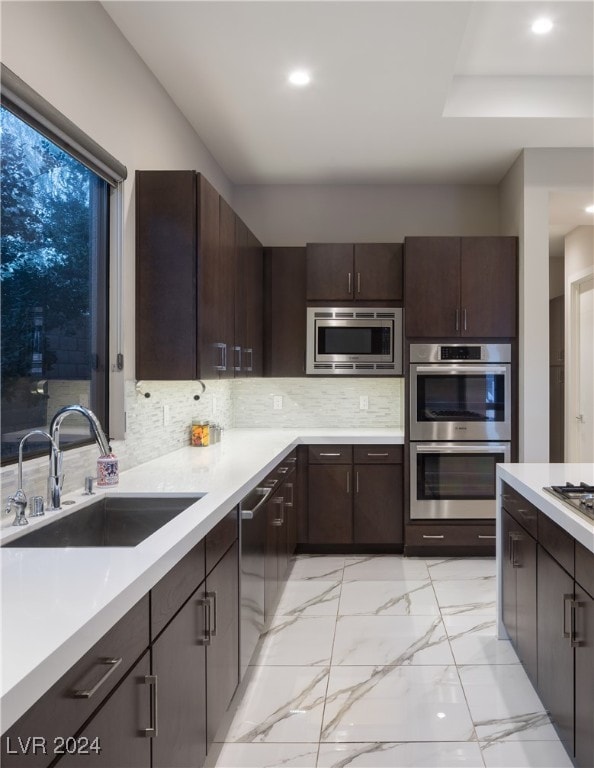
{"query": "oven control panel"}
pixel 459 352
pixel 462 353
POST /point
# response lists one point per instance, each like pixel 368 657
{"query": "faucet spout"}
pixel 19 499
pixel 56 475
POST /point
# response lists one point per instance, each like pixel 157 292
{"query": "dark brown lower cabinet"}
pixel 179 663
pixel 116 735
pixel 330 504
pixel 555 651
pixel 519 591
pixel 355 495
pixel 584 678
pixel 222 650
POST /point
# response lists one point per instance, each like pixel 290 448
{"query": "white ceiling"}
pixel 401 92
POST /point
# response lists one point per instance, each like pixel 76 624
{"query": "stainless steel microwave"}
pixel 363 341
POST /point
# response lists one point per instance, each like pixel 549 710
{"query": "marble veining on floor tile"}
pixel 388 598
pixel 391 641
pixel 388 662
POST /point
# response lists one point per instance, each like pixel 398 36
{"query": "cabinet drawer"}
pixel 520 509
pixel 450 535
pixel 220 539
pixel 168 596
pixel 557 542
pixel 77 694
pixel 330 454
pixel 584 568
pixel 378 454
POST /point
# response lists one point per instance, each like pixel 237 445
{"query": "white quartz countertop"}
pixel 56 603
pixel 530 479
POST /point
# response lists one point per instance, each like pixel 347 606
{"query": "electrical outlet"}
pixel 277 402
pixel 165 415
pixel 363 403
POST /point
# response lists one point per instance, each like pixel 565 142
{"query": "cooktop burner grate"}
pixel 578 497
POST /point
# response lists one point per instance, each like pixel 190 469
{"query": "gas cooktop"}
pixel 578 497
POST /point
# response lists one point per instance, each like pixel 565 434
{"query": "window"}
pixel 55 192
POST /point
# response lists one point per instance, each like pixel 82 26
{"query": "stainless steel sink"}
pixel 113 521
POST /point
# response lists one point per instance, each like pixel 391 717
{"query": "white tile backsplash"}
pixel 307 402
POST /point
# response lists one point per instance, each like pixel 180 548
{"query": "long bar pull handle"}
pixel 249 366
pixel 566 599
pixel 278 521
pixel 204 602
pixel 433 536
pixel 350 283
pixel 378 454
pixel 464 319
pixel 575 643
pixel 330 454
pixel 236 358
pixel 348 482
pixel 290 503
pixel 358 282
pixel 221 364
pixel 457 319
pixel 356 482
pixel 212 631
pixel 112 665
pixel 485 536
pixel 153 730
pixel 515 537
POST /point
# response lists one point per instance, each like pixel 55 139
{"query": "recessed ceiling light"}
pixel 299 77
pixel 590 209
pixel 542 26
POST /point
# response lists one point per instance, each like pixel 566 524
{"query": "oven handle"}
pixel 442 368
pixel 462 448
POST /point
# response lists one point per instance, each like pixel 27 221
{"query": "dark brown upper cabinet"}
pixel 195 267
pixel 284 326
pixel 348 272
pixel 461 286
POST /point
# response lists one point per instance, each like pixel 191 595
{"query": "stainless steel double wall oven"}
pixel 460 427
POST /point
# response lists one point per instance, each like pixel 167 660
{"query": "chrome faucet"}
pixel 19 498
pixel 56 479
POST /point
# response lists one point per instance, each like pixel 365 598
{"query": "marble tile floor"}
pixel 387 662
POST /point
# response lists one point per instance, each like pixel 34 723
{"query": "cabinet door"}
pixel 284 311
pixel 222 655
pixel 118 727
pixel 525 565
pixel 253 350
pixel 378 272
pixel 179 662
pixel 225 287
pixel 330 272
pixel 242 290
pixel 555 654
pixel 432 286
pixel 211 344
pixel 378 504
pixel 488 288
pixel 330 506
pixel 276 537
pixel 584 679
pixel 166 287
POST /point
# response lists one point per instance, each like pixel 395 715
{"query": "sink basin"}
pixel 113 521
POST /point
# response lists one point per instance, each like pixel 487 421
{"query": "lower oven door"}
pixel 454 480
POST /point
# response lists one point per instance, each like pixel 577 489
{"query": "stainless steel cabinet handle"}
pixel 249 366
pixel 204 602
pixel 330 454
pixel 464 319
pixel 350 283
pixel 248 514
pixel 237 358
pixel 358 282
pixel 457 319
pixel 356 482
pixel 278 521
pixel 153 730
pixel 433 536
pixel 283 470
pixel 566 599
pixel 212 631
pixel 112 665
pixel 575 643
pixel 221 364
pixel 485 536
pixel 378 454
pixel 516 563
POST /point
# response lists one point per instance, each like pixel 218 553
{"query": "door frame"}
pixel 572 335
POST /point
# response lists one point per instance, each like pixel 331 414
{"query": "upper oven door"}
pixel 460 402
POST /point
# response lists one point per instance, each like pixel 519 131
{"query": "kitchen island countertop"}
pixel 56 603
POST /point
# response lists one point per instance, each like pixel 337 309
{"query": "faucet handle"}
pixel 89 486
pixel 37 503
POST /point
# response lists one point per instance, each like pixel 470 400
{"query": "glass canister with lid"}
pixel 200 434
